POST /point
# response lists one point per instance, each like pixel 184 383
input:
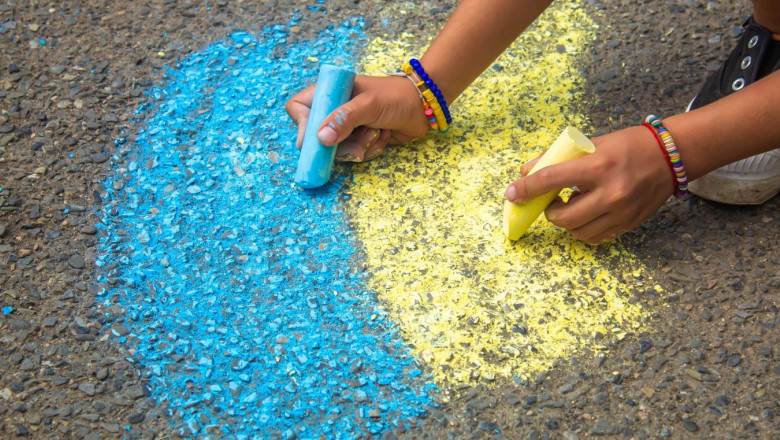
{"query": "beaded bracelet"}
pixel 432 87
pixel 671 155
pixel 431 94
pixel 665 153
pixel 428 98
pixel 429 113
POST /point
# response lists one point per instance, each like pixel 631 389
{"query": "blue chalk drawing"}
pixel 244 302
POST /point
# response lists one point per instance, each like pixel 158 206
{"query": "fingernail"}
pixel 328 136
pixel 511 193
pixel 349 157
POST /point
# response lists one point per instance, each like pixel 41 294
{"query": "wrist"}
pixel 410 99
pixel 444 79
pixel 433 102
pixel 658 156
pixel 670 152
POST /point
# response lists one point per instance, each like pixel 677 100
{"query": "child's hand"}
pixel 619 186
pixel 382 111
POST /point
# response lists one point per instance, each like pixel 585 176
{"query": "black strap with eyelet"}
pixel 755 42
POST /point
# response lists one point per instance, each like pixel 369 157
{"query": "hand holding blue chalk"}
pixel 334 87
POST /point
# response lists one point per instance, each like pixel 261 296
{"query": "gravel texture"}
pixel 75 364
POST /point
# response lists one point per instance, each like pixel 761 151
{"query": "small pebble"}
pixel 76 262
pixel 734 361
pixel 722 400
pixel 487 426
pixel 102 374
pixel 690 425
pixel 87 388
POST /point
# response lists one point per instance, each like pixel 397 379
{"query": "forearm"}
pixel 476 34
pixel 740 125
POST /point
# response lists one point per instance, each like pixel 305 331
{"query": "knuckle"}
pixel 620 194
pixel 544 177
pixel 346 114
pixel 288 107
pixel 371 99
pixel 602 166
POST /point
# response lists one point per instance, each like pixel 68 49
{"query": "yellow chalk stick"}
pixel 571 144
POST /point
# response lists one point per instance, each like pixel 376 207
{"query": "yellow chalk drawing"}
pixel 472 305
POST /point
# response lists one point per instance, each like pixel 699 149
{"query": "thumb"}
pixel 361 110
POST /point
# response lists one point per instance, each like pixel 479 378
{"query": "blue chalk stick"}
pixel 334 87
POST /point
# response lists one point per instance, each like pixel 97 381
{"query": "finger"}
pixel 301 131
pixel 361 110
pixel 551 178
pixel 298 108
pixel 610 235
pixel 605 236
pixel 599 230
pixel 353 148
pixel 374 153
pixel 526 168
pixel 580 210
pixel 378 147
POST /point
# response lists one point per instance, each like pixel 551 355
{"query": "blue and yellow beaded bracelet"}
pixel 436 109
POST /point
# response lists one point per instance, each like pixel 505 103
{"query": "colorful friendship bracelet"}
pixel 674 156
pixel 665 137
pixel 664 152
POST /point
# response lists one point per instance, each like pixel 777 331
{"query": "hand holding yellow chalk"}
pixel 571 144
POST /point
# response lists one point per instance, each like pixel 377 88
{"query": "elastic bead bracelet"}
pixel 433 96
pixel 428 97
pixel 443 127
pixel 665 153
pixel 429 112
pixel 418 68
pixel 431 118
pixel 667 141
pixel 674 157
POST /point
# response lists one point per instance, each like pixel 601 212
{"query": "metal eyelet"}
pixel 753 41
pixel 746 62
pixel 738 84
